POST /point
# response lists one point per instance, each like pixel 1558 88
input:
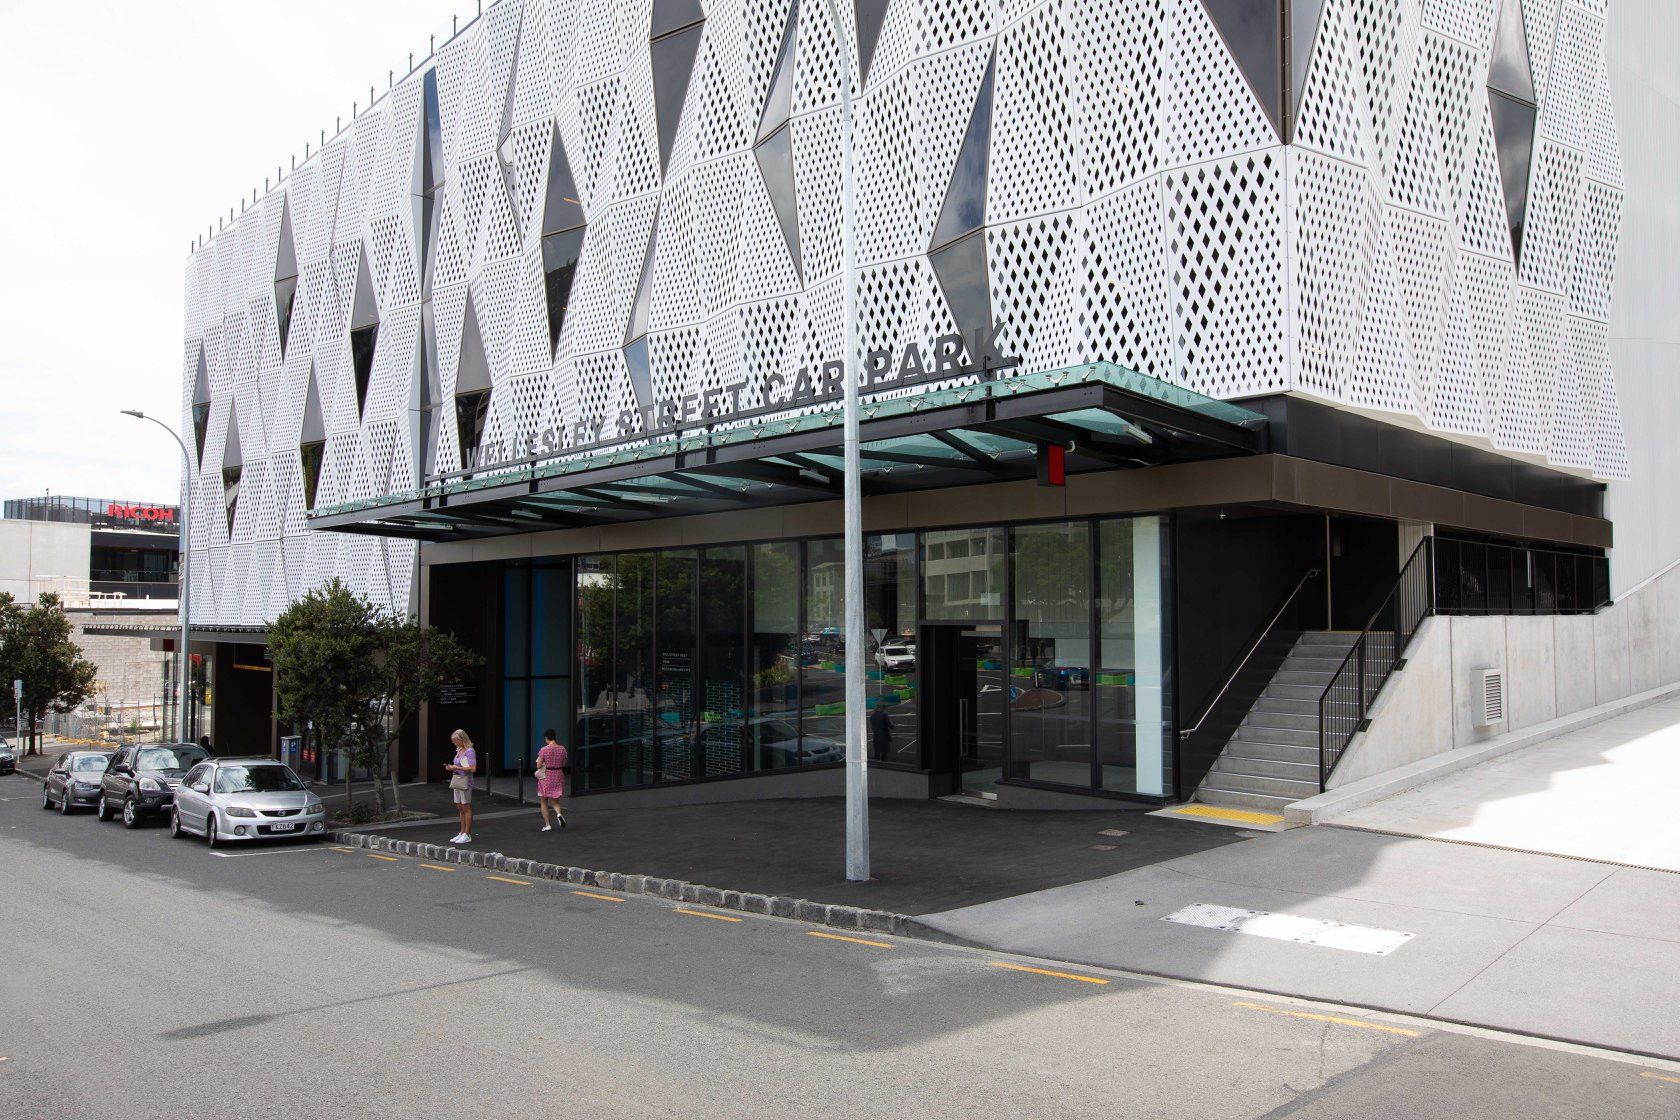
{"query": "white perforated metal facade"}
pixel 1138 204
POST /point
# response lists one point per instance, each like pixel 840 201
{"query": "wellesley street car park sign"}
pixel 947 358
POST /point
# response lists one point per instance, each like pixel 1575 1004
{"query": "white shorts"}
pixel 462 796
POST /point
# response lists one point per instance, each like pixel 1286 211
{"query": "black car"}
pixel 142 779
pixel 8 762
pixel 73 781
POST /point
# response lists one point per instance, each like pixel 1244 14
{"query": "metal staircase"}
pixel 1272 760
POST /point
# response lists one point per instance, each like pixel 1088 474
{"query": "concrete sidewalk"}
pixel 1513 878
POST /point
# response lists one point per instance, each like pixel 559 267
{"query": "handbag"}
pixel 459 781
pixel 541 772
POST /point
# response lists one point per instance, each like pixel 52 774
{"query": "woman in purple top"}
pixel 461 771
pixel 551 763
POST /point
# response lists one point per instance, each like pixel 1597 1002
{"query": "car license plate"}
pixel 281 827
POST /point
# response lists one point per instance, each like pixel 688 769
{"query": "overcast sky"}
pixel 129 128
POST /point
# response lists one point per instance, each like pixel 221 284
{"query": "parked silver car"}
pixel 227 799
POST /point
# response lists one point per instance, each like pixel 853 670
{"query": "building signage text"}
pixel 140 513
pixel 944 360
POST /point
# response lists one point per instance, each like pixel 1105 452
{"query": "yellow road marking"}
pixel 439 867
pixel 387 859
pixel 503 879
pixel 345 850
pixel 1217 813
pixel 1329 1019
pixel 1047 972
pixel 853 940
pixel 602 897
pixel 703 914
pixel 1643 1073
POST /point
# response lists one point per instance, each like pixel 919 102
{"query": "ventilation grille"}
pixel 1490 697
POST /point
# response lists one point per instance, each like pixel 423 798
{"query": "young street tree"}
pixel 35 647
pixel 349 667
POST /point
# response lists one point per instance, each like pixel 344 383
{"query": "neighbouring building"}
pixel 1209 351
pixel 113 566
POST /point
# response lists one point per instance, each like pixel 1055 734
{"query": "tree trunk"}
pixel 378 785
pixel 391 756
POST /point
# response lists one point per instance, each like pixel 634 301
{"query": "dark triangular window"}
pixel 1511 110
pixel 472 387
pixel 958 249
pixel 364 333
pixel 1303 31
pixel 773 150
pixel 312 441
pixel 635 331
pixel 673 42
pixel 201 404
pixel 870 14
pixel 233 465
pixel 1253 31
pixel 562 238
pixel 285 276
pixel 1513 133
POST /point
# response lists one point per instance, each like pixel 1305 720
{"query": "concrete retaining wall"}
pixel 1555 665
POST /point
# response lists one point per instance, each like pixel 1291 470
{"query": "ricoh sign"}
pixel 165 515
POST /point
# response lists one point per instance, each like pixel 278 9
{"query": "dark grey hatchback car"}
pixel 73 781
pixel 141 780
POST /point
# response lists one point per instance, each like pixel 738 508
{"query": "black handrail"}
pixel 1345 704
pixel 1259 640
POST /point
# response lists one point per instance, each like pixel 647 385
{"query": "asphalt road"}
pixel 149 977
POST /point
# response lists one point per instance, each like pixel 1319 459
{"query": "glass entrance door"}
pixel 962 712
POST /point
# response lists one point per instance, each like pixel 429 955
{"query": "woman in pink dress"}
pixel 551 762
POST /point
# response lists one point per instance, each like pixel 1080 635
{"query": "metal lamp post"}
pixel 186 569
pixel 857 781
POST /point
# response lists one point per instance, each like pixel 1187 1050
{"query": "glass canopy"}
pixel 1103 416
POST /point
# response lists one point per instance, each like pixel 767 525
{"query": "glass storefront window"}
pixel 1050 684
pixel 778 649
pixel 822 675
pixel 889 595
pixel 1130 688
pixel 966 581
pixel 721 747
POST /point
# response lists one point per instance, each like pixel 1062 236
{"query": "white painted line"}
pixel 1289 927
pixel 267 852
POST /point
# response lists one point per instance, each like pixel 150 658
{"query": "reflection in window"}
pixel 1513 130
pixel 721 646
pixel 778 649
pixel 471 411
pixel 562 237
pixel 889 597
pixel 972 574
pixel 201 405
pixel 823 674
pixel 311 455
pixel 673 42
pixel 1050 709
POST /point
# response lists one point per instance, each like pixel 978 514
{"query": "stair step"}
pixel 1288 706
pixel 1241 799
pixel 1248 733
pixel 1268 767
pixel 1313 663
pixel 1280 752
pixel 1295 721
pixel 1290 788
pixel 1279 690
pixel 1319 680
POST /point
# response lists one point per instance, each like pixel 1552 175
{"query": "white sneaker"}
pixel 548 828
pixel 457 838
pixel 465 839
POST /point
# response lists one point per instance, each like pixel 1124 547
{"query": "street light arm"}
pixel 184 591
